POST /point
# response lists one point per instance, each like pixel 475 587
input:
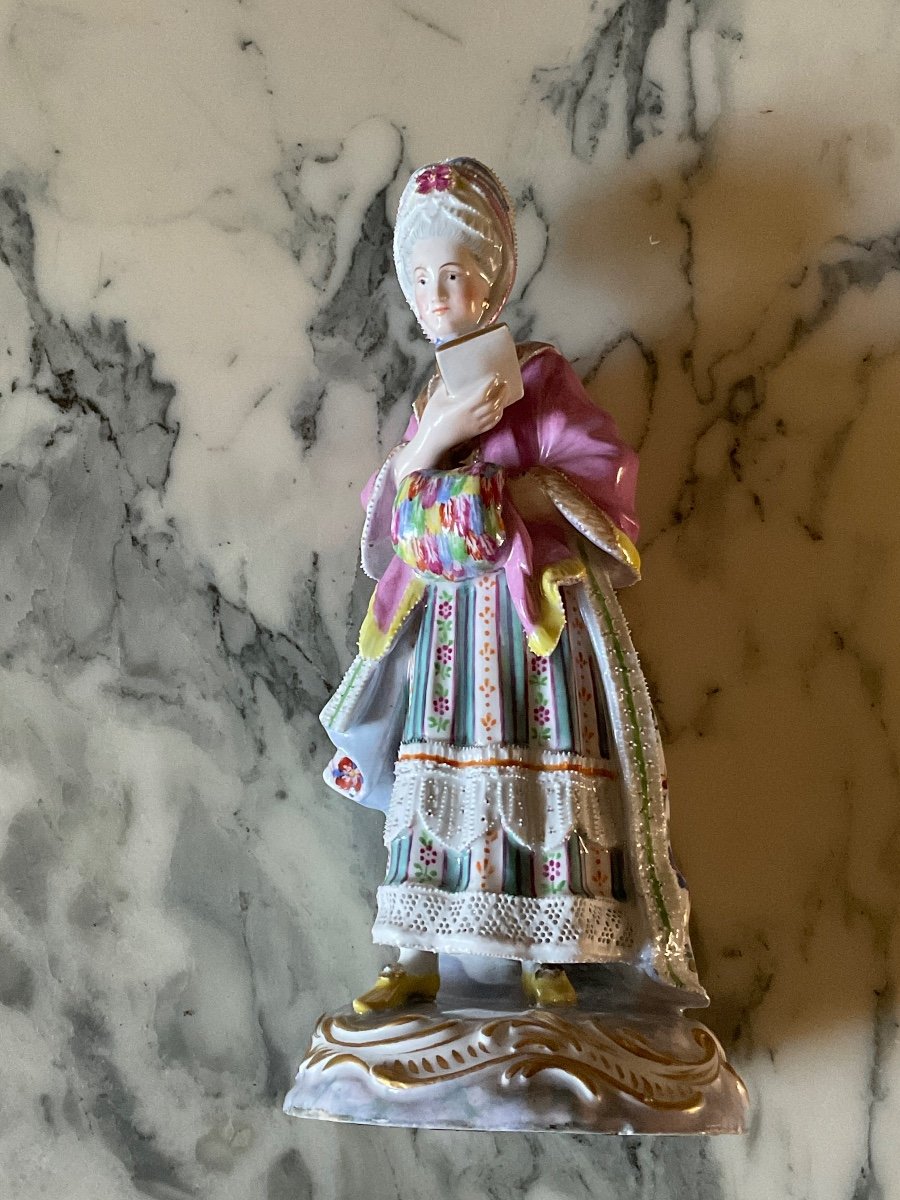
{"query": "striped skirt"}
pixel 504 828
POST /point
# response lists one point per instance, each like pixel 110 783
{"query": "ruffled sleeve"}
pixel 398 591
pixel 378 496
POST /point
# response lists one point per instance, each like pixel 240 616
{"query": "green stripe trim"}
pixel 640 761
pixel 347 688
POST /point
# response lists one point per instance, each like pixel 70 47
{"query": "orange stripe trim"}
pixel 592 772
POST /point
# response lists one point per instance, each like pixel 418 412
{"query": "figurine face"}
pixel 451 291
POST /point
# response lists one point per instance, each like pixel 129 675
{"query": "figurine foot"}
pixel 546 987
pixel 396 987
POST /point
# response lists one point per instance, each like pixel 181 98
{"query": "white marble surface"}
pixel 203 354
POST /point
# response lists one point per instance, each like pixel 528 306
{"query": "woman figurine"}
pixel 496 710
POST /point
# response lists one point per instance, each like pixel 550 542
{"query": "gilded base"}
pixel 438 1067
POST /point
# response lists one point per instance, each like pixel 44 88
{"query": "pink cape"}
pixel 555 426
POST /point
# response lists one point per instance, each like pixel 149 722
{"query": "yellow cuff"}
pixel 544 638
pixel 374 641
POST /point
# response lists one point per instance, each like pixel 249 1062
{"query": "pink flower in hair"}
pixel 435 179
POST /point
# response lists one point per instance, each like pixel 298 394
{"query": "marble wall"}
pixel 203 353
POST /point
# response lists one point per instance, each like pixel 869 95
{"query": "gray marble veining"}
pixel 203 354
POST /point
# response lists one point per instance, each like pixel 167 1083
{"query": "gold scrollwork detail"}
pixel 594 1058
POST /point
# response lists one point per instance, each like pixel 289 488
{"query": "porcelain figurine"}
pixel 497 714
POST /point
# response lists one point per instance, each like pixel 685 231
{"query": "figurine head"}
pixel 451 287
pixel 455 247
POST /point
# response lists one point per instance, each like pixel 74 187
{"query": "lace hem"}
pixel 563 929
pixel 459 793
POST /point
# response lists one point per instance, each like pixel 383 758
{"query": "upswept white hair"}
pixel 462 200
pixel 449 215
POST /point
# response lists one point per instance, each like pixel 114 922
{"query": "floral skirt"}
pixel 504 828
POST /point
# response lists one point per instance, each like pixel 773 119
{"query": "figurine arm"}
pixel 585 468
pixel 449 421
pixel 378 498
pixel 446 422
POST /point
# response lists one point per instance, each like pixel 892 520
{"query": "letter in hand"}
pixel 459 418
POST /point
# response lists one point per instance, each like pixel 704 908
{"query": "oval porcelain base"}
pixel 580 1069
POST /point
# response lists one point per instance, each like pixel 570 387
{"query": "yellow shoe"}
pixel 396 987
pixel 547 986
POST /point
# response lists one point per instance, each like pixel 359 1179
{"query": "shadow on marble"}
pixel 761 616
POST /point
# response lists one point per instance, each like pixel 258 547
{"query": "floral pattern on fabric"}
pixel 426 860
pixel 346 775
pixel 442 667
pixel 474 682
pixel 500 863
pixel 552 873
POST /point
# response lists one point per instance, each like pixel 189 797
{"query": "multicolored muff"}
pixel 449 524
